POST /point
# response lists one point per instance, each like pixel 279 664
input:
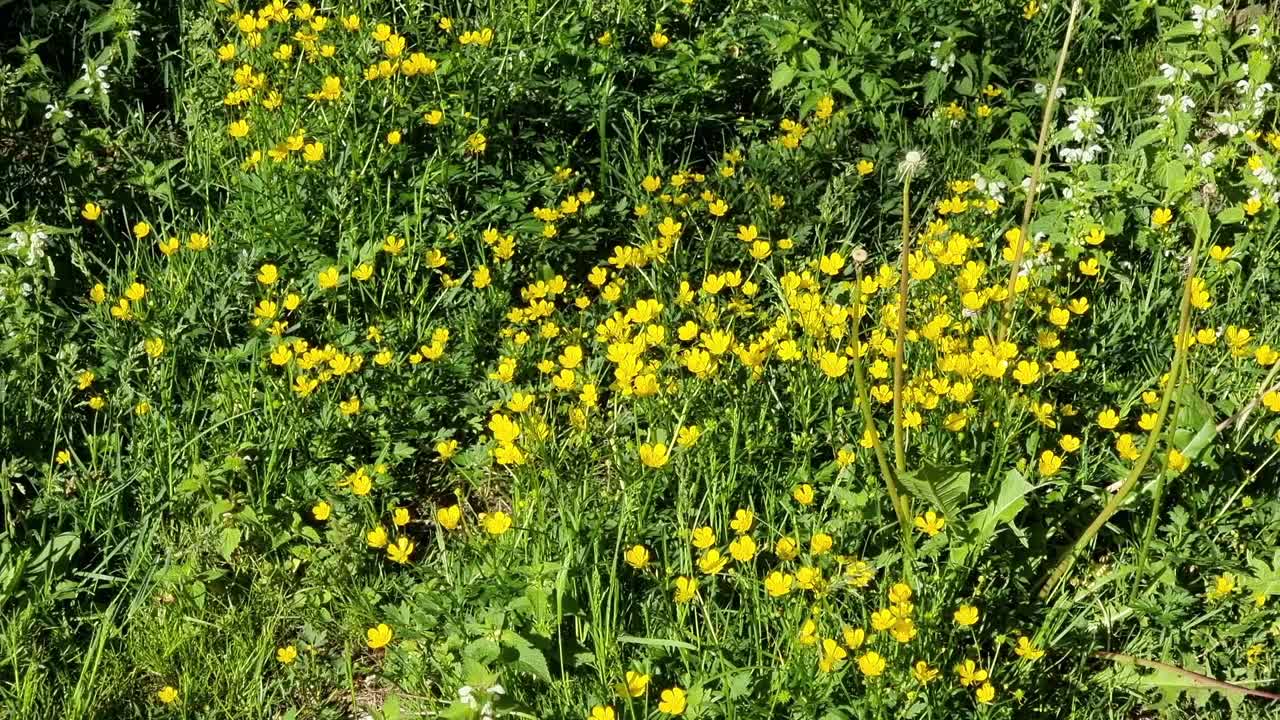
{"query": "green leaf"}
pixel 230 541
pixel 782 77
pixel 1199 218
pixel 1150 136
pixel 656 642
pixel 1174 175
pixel 1266 579
pixel 812 60
pixel 739 685
pixel 944 488
pixel 528 657
pixel 1231 215
pixel 1201 440
pixel 391 708
pixel 1010 501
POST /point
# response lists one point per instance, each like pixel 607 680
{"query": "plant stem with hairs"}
pixel 1046 121
pixel 900 332
pixel 864 403
pixel 1157 498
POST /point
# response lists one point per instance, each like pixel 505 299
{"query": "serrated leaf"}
pixel 812 60
pixel 782 77
pixel 739 684
pixel 1265 580
pixel 528 657
pixel 1231 215
pixel 230 540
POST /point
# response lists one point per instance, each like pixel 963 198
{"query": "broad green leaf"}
pixel 528 657
pixel 1266 579
pixel 1010 501
pixel 812 60
pixel 1231 215
pixel 1174 175
pixel 1201 440
pixel 1150 136
pixel 944 488
pixel 230 541
pixel 391 708
pixel 782 77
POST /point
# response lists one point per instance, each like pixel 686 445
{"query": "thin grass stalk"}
pixel 1157 499
pixel 1050 107
pixel 1067 558
pixel 900 333
pixel 877 447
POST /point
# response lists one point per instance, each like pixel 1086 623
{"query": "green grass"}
pixel 179 546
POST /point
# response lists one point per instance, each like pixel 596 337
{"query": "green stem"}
pixel 1067 558
pixel 1157 498
pixel 1192 678
pixel 900 333
pixel 868 419
pixel 1046 121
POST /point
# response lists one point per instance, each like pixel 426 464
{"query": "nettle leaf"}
pixel 1231 215
pixel 527 656
pixel 944 488
pixel 812 60
pixel 782 77
pixel 230 541
pixel 1266 579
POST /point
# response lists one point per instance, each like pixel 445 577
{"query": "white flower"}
pixel 1040 90
pixel 1207 158
pixel 1083 122
pixel 466 695
pixel 943 65
pixel 1225 125
pixel 993 188
pixel 1174 74
pixel 27 245
pixel 1199 14
pixel 51 110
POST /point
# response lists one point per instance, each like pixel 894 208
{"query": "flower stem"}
pixel 900 333
pixel 1050 106
pixel 1067 558
pixel 882 459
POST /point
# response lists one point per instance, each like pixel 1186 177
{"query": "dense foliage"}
pixel 638 359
